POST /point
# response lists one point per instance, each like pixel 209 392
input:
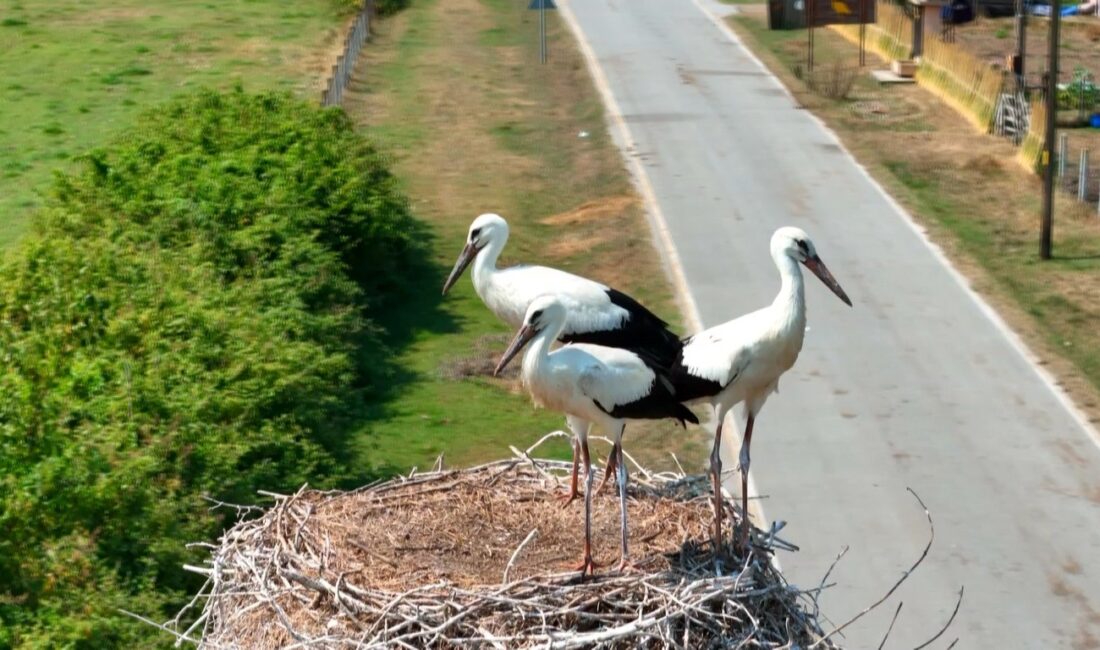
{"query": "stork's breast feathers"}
pixel 614 377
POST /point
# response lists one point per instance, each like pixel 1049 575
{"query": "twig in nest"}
pixel 891 628
pixel 904 576
pixel 946 625
pixel 515 554
pixel 843 552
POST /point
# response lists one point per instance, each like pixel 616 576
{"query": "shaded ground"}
pixel 979 204
pixel 455 90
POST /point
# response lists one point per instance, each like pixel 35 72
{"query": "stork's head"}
pixel 487 229
pixel 545 313
pixel 795 243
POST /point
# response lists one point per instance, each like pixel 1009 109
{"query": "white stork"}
pixel 595 313
pixel 741 360
pixel 591 384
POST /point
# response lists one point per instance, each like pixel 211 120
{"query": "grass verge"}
pixel 455 90
pixel 975 200
pixel 76 71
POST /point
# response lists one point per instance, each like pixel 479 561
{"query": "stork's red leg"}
pixel 624 555
pixel 745 482
pixel 573 493
pixel 609 469
pixel 716 479
pixel 587 565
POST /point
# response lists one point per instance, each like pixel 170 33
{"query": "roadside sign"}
pixel 542 6
pixel 840 12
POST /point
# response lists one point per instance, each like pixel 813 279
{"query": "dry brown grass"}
pixel 992 39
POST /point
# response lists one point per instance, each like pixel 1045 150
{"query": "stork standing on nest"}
pixel 591 384
pixel 594 312
pixel 741 360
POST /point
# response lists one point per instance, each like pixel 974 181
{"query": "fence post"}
pixel 1083 176
pixel 1063 153
pixel 358 33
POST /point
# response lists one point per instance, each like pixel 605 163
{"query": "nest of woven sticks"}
pixel 477 558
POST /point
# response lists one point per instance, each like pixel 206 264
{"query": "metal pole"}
pixel 1083 176
pixel 1045 231
pixel 542 31
pixel 1063 153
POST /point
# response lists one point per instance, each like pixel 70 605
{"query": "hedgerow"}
pixel 193 317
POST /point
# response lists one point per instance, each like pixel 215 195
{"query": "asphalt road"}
pixel 916 386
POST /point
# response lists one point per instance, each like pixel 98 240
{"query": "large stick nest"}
pixel 477 557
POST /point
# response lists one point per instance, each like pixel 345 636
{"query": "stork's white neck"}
pixel 538 351
pixel 790 302
pixel 485 264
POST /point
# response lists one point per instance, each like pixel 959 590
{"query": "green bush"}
pixel 1080 94
pixel 192 317
pixel 387 7
pixel 382 7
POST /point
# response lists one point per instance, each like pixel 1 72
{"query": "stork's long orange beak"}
pixel 523 337
pixel 469 252
pixel 822 272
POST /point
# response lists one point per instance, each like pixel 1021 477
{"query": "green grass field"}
pixel 454 89
pixel 72 72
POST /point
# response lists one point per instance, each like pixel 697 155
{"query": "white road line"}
pixel 1011 336
pixel 655 216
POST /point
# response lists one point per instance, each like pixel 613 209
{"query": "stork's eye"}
pixel 535 316
pixel 474 233
pixel 802 246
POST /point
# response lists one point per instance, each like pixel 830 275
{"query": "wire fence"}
pixel 358 33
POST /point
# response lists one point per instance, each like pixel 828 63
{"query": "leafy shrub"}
pixel 387 7
pixel 191 318
pixel 382 7
pixel 1081 93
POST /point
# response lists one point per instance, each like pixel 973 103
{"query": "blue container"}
pixel 1094 121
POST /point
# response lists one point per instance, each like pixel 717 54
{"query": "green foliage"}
pixel 1080 94
pixel 382 7
pixel 388 7
pixel 193 317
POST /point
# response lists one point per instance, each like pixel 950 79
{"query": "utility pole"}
pixel 1021 44
pixel 1048 146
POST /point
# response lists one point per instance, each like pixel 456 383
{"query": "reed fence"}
pixel 1031 149
pixel 890 36
pixel 968 84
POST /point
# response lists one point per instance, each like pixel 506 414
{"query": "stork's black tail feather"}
pixel 684 415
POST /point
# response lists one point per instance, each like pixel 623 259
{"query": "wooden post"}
pixel 1047 225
